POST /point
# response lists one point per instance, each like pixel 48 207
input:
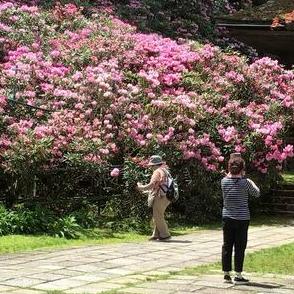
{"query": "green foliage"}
pixel 200 194
pixel 171 18
pixel 288 178
pixel 37 220
pixel 273 260
pixel 66 227
pixel 131 224
pixel 87 216
pixel 6 221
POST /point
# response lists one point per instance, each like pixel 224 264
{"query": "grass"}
pixel 277 260
pixel 18 243
pixel 270 220
pixel 288 177
pixel 21 243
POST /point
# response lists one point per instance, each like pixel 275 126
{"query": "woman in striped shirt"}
pixel 236 190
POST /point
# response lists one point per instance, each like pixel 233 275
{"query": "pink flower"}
pixel 221 158
pixel 115 172
pixel 55 53
pixel 268 140
pixel 288 150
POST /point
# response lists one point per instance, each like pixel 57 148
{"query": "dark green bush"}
pixel 87 216
pixel 66 227
pixel 38 220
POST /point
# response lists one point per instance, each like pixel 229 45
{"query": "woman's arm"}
pixel 253 190
pixel 154 182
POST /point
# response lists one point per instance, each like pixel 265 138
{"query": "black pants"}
pixel 235 235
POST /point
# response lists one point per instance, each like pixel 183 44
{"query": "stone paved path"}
pixel 94 269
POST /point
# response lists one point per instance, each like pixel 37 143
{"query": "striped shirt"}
pixel 236 192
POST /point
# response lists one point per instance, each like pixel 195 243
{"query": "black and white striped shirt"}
pixel 235 197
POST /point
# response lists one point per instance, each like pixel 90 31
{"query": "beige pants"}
pixel 160 227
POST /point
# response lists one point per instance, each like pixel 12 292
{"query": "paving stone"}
pixel 26 291
pixel 136 290
pixel 221 291
pixel 124 261
pixel 170 269
pixel 90 278
pixel 125 280
pixel 48 276
pixel 180 282
pixel 22 282
pixel 4 288
pixel 63 284
pixel 103 264
pixel 212 284
pixel 84 268
pixel 51 267
pixel 94 288
pixel 67 272
pixel 139 277
pixel 155 273
pixel 118 271
pixel 165 285
pixel 276 291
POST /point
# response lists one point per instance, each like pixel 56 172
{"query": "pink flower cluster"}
pixel 96 90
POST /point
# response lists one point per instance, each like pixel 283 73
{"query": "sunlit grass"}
pixel 19 243
pixel 288 177
pixel 277 260
pixel 16 243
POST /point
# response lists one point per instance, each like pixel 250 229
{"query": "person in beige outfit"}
pixel 157 197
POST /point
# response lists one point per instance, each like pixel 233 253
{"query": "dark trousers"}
pixel 235 234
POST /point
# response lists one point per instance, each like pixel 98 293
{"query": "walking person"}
pixel 157 197
pixel 236 190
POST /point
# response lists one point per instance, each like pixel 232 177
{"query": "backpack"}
pixel 170 188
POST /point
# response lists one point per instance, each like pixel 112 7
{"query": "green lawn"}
pixel 270 220
pixel 288 177
pixel 277 260
pixel 19 243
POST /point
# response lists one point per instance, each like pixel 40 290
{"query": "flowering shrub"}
pixel 286 19
pixel 91 91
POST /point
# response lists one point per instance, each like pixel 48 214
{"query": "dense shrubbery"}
pixel 36 221
pixel 102 95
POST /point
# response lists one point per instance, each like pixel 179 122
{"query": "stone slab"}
pixel 94 288
pixel 22 282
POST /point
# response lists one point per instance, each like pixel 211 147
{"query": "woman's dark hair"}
pixel 236 165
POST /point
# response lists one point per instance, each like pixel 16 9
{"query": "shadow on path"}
pixel 176 241
pixel 262 285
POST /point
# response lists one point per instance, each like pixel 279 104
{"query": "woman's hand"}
pixel 139 185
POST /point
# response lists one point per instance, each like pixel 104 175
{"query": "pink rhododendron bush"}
pixel 91 92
